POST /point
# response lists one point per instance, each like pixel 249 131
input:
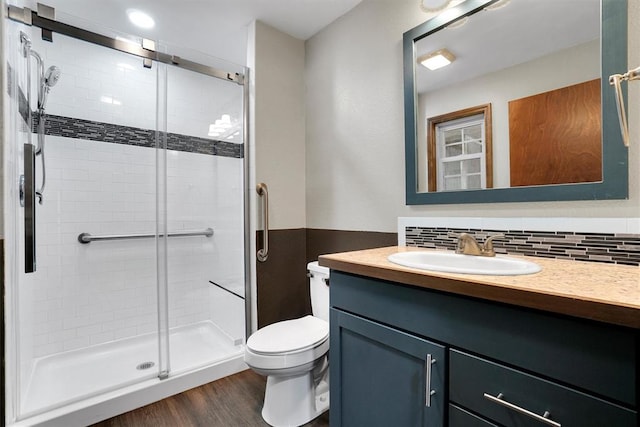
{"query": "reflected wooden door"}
pixel 555 137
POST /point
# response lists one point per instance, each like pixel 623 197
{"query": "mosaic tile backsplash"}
pixel 596 247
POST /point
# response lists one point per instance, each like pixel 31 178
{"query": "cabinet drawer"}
pixel 475 383
pixel 458 417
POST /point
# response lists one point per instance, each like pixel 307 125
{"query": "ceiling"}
pixel 522 30
pixel 215 27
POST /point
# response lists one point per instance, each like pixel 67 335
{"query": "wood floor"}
pixel 235 401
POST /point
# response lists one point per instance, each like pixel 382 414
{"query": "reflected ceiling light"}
pixel 437 59
pixel 124 66
pixel 221 125
pixel 431 6
pixel 126 40
pixel 497 5
pixel 110 100
pixel 459 23
pixel 140 19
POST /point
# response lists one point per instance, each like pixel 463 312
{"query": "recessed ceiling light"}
pixel 437 59
pixel 140 19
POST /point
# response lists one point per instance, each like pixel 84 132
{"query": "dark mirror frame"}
pixel 615 173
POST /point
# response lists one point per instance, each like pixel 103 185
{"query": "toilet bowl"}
pixel 293 355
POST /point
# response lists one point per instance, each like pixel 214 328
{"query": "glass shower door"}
pixel 140 249
pixel 204 193
pixel 86 321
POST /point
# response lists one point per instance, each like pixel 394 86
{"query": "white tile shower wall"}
pixel 98 83
pixel 90 294
pixel 104 85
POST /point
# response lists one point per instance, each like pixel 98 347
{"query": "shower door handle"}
pixel 28 197
pixel 262 190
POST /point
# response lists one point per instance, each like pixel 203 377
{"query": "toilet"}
pixel 293 355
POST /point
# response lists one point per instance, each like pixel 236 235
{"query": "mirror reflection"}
pixel 510 97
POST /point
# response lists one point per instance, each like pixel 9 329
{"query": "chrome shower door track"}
pixel 145 51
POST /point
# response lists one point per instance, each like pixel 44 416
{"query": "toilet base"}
pixel 292 401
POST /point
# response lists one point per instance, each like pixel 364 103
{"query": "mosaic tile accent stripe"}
pixel 106 132
pixel 595 247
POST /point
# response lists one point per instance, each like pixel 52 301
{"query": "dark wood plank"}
pixel 235 401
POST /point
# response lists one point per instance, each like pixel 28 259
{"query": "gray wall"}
pixel 355 130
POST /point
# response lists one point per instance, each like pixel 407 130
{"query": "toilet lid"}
pixel 289 335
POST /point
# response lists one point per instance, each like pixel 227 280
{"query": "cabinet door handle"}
pixel 544 418
pixel 427 371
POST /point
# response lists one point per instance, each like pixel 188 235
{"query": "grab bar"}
pixel 85 238
pixel 614 80
pixel 262 190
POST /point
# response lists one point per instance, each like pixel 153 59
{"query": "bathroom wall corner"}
pixel 278 137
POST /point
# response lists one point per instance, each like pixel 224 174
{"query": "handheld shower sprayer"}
pixel 49 80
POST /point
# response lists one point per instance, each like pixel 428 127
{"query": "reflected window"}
pixel 459 153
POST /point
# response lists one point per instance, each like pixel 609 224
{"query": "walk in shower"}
pixel 125 271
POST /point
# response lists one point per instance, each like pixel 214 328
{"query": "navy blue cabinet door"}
pixel 381 376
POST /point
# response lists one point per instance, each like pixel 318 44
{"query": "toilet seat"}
pixel 289 336
pixel 288 344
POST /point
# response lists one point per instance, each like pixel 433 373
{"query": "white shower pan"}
pixel 99 373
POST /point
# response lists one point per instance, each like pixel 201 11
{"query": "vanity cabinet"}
pixel 493 362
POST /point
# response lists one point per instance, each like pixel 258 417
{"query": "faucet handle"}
pixel 487 247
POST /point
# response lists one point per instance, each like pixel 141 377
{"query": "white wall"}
pixel 355 130
pixel 279 127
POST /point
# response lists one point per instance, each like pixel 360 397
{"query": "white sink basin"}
pixel 450 262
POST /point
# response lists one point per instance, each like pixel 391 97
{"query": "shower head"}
pixel 49 80
pixel 52 76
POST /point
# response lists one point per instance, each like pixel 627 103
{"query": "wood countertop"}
pixel 604 292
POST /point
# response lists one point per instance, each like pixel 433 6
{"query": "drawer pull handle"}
pixel 428 391
pixel 542 418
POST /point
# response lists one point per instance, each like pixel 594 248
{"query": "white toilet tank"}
pixel 319 289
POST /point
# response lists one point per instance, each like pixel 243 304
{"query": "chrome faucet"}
pixel 467 245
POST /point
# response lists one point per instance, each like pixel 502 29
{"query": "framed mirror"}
pixel 523 110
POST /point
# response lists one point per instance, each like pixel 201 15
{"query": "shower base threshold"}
pixel 72 381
